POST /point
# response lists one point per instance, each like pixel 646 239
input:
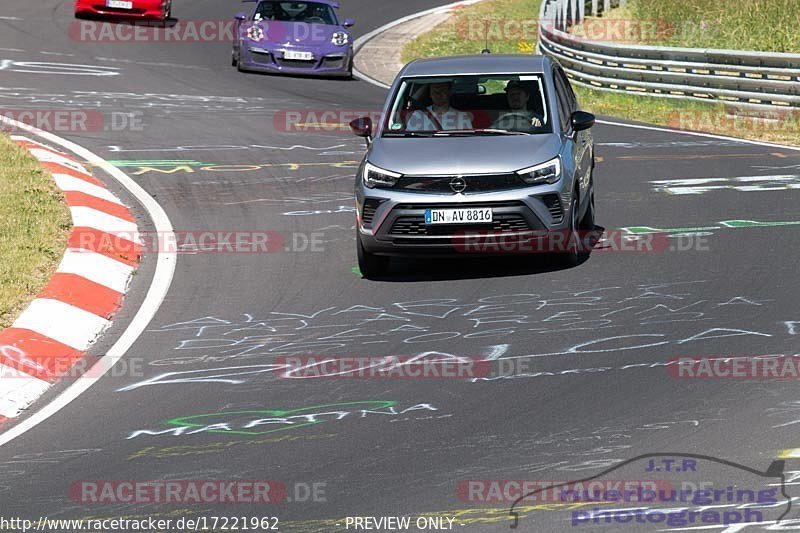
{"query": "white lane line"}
pixel 162 279
pixel 93 218
pixel 700 134
pixel 69 183
pixel 75 327
pixel 97 268
pixel 18 390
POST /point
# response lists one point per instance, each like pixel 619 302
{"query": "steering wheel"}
pixel 319 20
pixel 516 121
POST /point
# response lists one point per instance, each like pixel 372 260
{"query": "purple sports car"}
pixel 294 38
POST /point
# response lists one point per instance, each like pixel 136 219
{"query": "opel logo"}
pixel 458 184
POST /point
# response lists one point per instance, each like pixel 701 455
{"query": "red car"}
pixel 140 9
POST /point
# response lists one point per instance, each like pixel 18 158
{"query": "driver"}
pixel 519 117
pixel 439 115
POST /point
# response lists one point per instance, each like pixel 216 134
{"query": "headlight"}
pixel 549 172
pixel 340 38
pixel 377 177
pixel 255 33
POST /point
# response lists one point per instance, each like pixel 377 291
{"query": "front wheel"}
pixel 587 222
pixel 239 66
pixel 570 255
pixel 370 265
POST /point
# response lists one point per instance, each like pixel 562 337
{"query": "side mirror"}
pixel 362 127
pixel 582 120
pixel 348 22
pixel 241 17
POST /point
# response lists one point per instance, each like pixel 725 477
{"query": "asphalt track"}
pixel 619 314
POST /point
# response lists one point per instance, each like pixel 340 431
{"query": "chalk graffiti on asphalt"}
pixel 587 319
pixel 781 182
pixel 264 421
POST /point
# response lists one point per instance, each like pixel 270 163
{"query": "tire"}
pixel 234 61
pixel 587 221
pixel 571 256
pixel 239 66
pixel 371 265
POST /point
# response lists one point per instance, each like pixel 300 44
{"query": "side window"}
pixel 563 100
pixel 573 102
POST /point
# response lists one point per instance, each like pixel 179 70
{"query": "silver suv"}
pixel 471 150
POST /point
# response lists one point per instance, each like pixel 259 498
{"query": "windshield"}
pixel 309 12
pixel 513 104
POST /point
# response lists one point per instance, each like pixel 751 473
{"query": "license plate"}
pixel 119 4
pixel 303 56
pixel 458 216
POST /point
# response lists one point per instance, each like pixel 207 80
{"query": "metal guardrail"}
pixel 731 76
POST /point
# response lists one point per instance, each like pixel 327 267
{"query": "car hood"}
pixel 462 155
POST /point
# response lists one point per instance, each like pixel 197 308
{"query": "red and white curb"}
pixel 57 328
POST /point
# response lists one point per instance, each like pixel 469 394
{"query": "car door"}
pixel 577 144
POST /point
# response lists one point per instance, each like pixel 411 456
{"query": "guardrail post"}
pixel 606 6
pixel 594 8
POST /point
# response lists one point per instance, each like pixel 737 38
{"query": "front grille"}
pixel 414 225
pixel 370 206
pixel 297 63
pixel 475 183
pixel 553 203
pixel 500 203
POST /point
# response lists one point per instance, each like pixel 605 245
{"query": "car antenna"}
pixel 486 40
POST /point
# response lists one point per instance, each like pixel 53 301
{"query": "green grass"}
pixel 509 24
pixel 34 225
pixel 460 35
pixel 767 25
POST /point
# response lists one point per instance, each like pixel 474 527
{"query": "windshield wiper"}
pixel 485 131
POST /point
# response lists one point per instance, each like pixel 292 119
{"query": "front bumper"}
pixel 148 10
pixel 326 63
pixel 393 223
